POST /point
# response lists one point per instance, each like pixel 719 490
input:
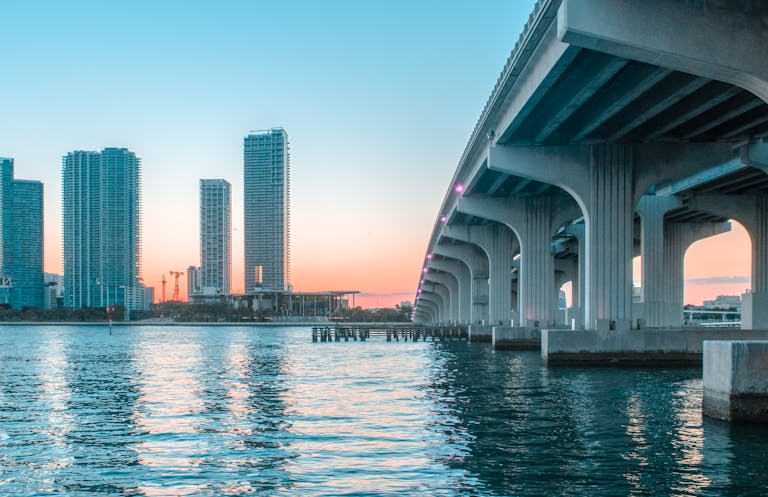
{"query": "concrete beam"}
pixel 461 273
pixel 723 40
pixel 450 282
pixel 735 380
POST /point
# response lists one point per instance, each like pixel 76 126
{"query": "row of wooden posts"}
pixel 339 333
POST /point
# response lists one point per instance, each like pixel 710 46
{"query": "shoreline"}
pixel 123 324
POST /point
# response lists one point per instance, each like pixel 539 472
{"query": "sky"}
pixel 378 100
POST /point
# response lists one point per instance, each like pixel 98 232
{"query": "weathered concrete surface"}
pixel 516 338
pixel 736 380
pixel 676 347
pixel 480 333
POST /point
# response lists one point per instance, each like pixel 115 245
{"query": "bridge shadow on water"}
pixel 531 430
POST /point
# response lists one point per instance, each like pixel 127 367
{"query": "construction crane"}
pixel 163 282
pixel 176 275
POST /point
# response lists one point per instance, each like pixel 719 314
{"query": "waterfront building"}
pixel 21 229
pixel 54 290
pixel 193 282
pixel 215 236
pixel 266 162
pixel 102 229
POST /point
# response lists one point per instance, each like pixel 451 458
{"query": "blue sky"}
pixel 378 99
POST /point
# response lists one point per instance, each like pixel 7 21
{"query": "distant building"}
pixel 193 282
pixel 215 236
pixel 266 171
pixel 102 229
pixel 723 302
pixel 21 231
pixel 54 291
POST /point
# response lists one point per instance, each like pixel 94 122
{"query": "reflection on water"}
pixel 258 411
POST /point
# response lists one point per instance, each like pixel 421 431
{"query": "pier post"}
pixel 735 380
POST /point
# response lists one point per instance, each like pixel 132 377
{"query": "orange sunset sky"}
pixel 378 101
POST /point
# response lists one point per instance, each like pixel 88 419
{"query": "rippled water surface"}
pixel 264 411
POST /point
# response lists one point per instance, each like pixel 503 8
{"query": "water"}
pixel 264 411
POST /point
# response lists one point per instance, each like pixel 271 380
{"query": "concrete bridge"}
pixel 617 128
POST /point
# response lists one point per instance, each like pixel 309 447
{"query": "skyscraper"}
pixel 215 235
pixel 21 230
pixel 102 229
pixel 267 210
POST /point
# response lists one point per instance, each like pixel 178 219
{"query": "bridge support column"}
pixel 451 284
pixel 460 272
pixel 609 239
pixel 752 212
pixel 655 309
pixel 477 263
pixel 496 242
pixel 577 289
pixel 537 270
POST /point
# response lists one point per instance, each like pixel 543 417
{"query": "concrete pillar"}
pixel 533 220
pixel 577 306
pixel 655 309
pixel 429 306
pixel 609 239
pixel 678 237
pixel 477 263
pixel 496 242
pixel 537 265
pixel 735 380
pixel 452 285
pixel 445 295
pixel 565 270
pixel 460 272
pixel 752 212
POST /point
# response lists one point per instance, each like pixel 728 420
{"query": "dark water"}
pixel 247 411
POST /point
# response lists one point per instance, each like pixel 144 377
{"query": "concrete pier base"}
pixel 516 338
pixel 479 333
pixel 672 347
pixel 736 380
pixel 754 310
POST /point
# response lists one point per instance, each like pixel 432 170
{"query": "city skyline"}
pixel 379 107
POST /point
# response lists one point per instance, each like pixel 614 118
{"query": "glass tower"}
pixel 215 235
pixel 21 250
pixel 102 230
pixel 267 210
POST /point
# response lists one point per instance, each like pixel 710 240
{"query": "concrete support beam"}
pixel 445 294
pixel 533 220
pixel 752 212
pixel 430 304
pixel 653 33
pixel 496 241
pixel 477 262
pixel 607 181
pixel 577 307
pixel 735 380
pixel 461 273
pixel 655 309
pixel 452 285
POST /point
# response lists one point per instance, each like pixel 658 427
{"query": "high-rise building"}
pixel 215 236
pixel 102 229
pixel 267 210
pixel 21 229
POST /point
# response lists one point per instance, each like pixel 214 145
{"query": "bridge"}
pixel 617 128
